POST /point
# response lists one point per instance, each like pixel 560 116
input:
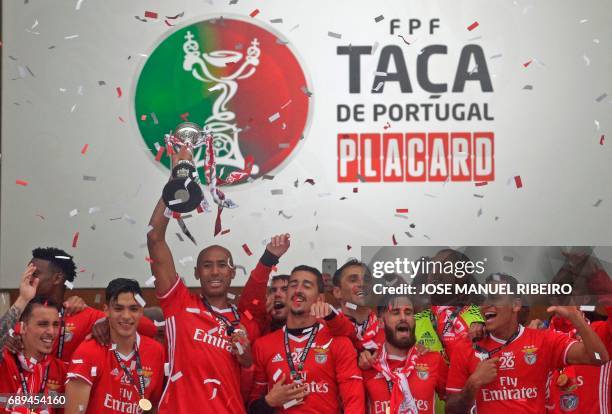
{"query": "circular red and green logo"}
pixel 233 77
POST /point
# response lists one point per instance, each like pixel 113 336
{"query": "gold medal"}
pixel 145 404
pixel 562 380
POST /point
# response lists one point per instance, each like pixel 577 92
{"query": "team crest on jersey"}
pixel 569 402
pixel 422 371
pixel 320 355
pixel 530 354
pixel 147 373
pixel 481 355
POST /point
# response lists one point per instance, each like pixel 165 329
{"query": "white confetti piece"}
pixel 351 305
pixel 274 117
pixel 583 21
pixel 176 376
pixel 113 347
pixel 94 210
pixel 77 361
pixel 159 324
pixel 71 37
pixel 597 124
pixel 173 202
pixel 78 5
pixel 166 369
pixel 597 356
pixel 68 284
pixel 193 310
pixel 587 308
pixel 374 47
pixel 290 404
pixel 73 212
pixel 94 371
pixel 140 300
pixel 230 296
pixel 150 281
pixel 155 121
pixel 98 298
pixel 73 108
pixel 587 61
pixel 283 145
pixel 596 41
pixel 63 257
pixel 11 332
pixel 239 348
pixel 213 330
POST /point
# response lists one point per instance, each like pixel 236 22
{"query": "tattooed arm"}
pixel 27 290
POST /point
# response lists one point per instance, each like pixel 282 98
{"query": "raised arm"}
pixel 162 263
pixel 27 290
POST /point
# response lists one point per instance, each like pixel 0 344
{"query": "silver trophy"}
pixel 183 193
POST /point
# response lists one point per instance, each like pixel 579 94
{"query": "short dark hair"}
pixel 61 260
pixel 284 278
pixel 39 300
pixel 387 301
pixel 121 285
pixel 353 262
pixel 314 271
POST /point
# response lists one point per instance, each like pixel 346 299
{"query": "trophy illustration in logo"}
pixel 221 123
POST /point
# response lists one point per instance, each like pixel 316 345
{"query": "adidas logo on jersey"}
pixel 277 358
pixel 114 372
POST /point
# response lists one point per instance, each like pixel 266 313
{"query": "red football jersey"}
pixel 589 388
pixel 203 372
pixel 368 335
pixel 330 371
pixel 427 378
pixel 523 369
pixel 10 380
pixel 111 389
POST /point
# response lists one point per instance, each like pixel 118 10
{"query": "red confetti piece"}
pixel 184 116
pixel 168 23
pixel 247 250
pixel 119 93
pixel 401 210
pixel 218 225
pixel 254 13
pixel 150 15
pixel 225 231
pixel 349 247
pixel 143 117
pixel 148 259
pixel 248 315
pixel 310 181
pixel 518 181
pixel 394 241
pixel 527 63
pixel 82 270
pixel 121 119
pixel 601 140
pixel 255 302
pixel 21 182
pixel 169 150
pixel 84 149
pixel 472 26
pixel 159 154
pixel 481 183
pixel 75 239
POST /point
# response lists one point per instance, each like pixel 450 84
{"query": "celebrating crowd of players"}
pixel 284 349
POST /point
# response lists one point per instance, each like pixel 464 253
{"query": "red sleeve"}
pixel 442 369
pixel 83 364
pixel 458 372
pixel 340 325
pixel 253 298
pixel 604 331
pixel 260 380
pixel 175 300
pixel 348 376
pixel 557 345
pixel 146 327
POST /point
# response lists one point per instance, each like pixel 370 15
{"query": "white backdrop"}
pixel 52 104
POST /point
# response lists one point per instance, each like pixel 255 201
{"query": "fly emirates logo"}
pixel 312 386
pixel 219 341
pixel 384 406
pixel 509 390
